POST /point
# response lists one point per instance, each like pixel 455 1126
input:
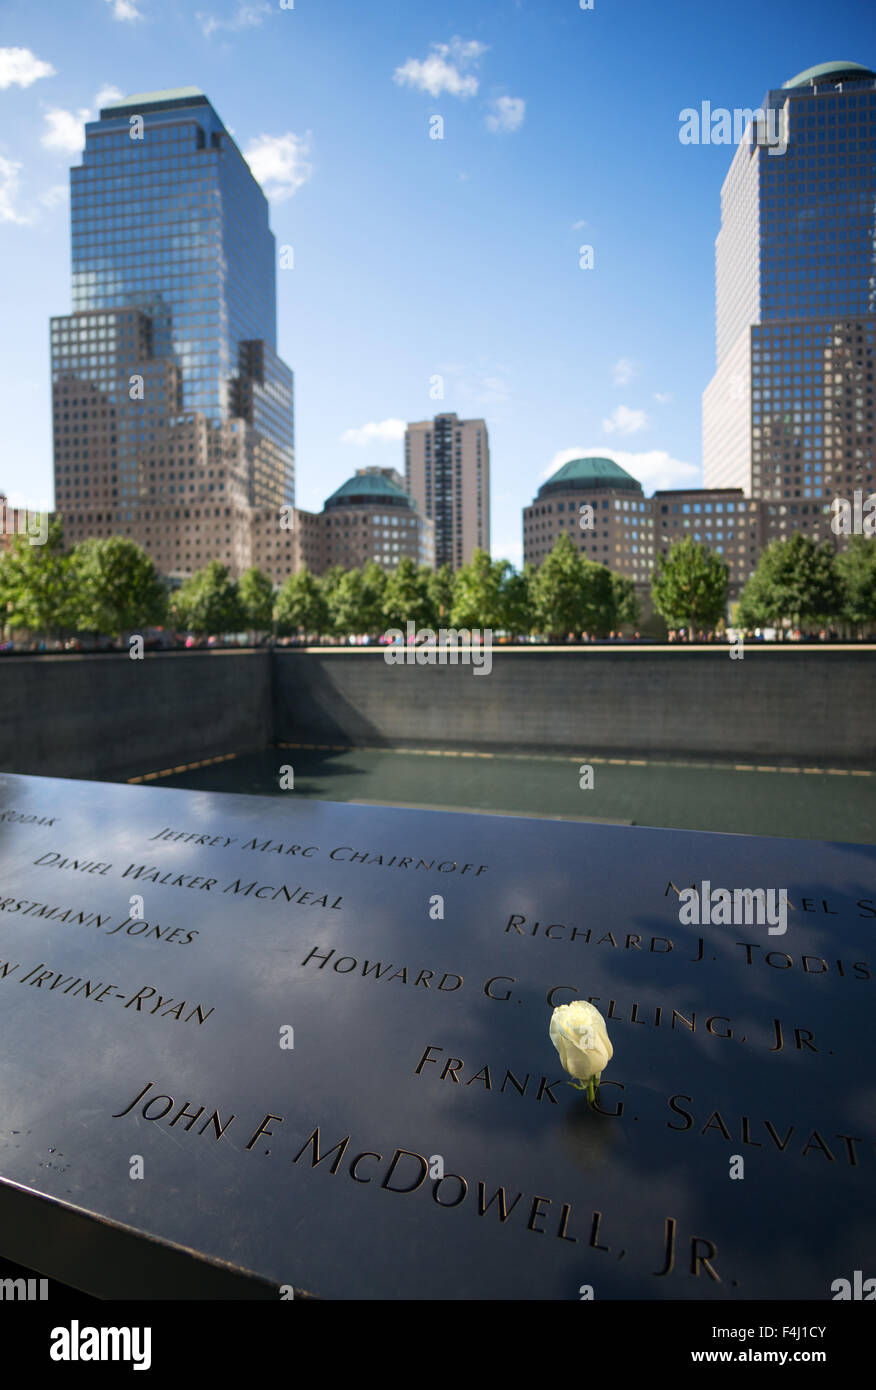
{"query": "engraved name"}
pixel 43 976
pixel 24 818
pixel 517 925
pixel 405 1172
pixel 132 926
pixel 346 854
pixel 733 1129
pixel 379 970
pixel 303 897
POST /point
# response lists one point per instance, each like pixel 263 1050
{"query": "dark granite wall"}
pixel 777 704
pixel 108 716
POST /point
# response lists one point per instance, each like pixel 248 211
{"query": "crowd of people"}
pixel 176 641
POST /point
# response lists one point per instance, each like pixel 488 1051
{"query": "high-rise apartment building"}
pixel 173 414
pixel 789 411
pixel 447 472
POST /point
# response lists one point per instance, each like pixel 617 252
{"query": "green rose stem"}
pixel 589 1087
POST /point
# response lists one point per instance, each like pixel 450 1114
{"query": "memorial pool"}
pixel 734 798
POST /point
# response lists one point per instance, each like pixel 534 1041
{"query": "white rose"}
pixel 578 1033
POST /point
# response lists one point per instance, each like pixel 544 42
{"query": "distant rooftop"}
pixel 585 473
pixel 162 100
pixel 830 72
pixel 370 488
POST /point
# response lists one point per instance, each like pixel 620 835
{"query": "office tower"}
pixel 625 530
pixel 447 472
pixel 173 414
pixel 789 411
pixel 722 519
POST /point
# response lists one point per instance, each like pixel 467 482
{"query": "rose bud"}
pixel 578 1032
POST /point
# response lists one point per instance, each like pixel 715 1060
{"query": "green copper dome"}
pixel 372 489
pixel 581 475
pixel 833 72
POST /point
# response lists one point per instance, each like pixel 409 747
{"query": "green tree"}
pixel 328 583
pixel 556 591
pixel 856 568
pixel 300 604
pixel 518 606
pixel 571 594
pixel 689 585
pixel 406 597
pixel 346 604
pixel 36 585
pixel 440 585
pixel 795 580
pixel 116 587
pixel 598 597
pixel 627 612
pixel 208 602
pixel 373 590
pixel 256 593
pixel 477 592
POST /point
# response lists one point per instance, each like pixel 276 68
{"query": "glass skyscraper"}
pixel 789 411
pixel 173 412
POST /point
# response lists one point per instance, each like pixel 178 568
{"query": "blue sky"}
pixel 418 257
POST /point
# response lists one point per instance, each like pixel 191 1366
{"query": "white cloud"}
pixel 654 468
pixel 9 190
pixel 444 70
pixel 107 94
pixel 385 431
pixel 65 130
pixel 280 163
pixel 463 50
pixel 625 421
pixel 663 397
pixel 246 16
pixel 19 67
pixel 124 10
pixel 507 114
pixel 579 226
pixel 623 371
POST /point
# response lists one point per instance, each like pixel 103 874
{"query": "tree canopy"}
pixel 209 602
pixel 795 581
pixel 689 585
